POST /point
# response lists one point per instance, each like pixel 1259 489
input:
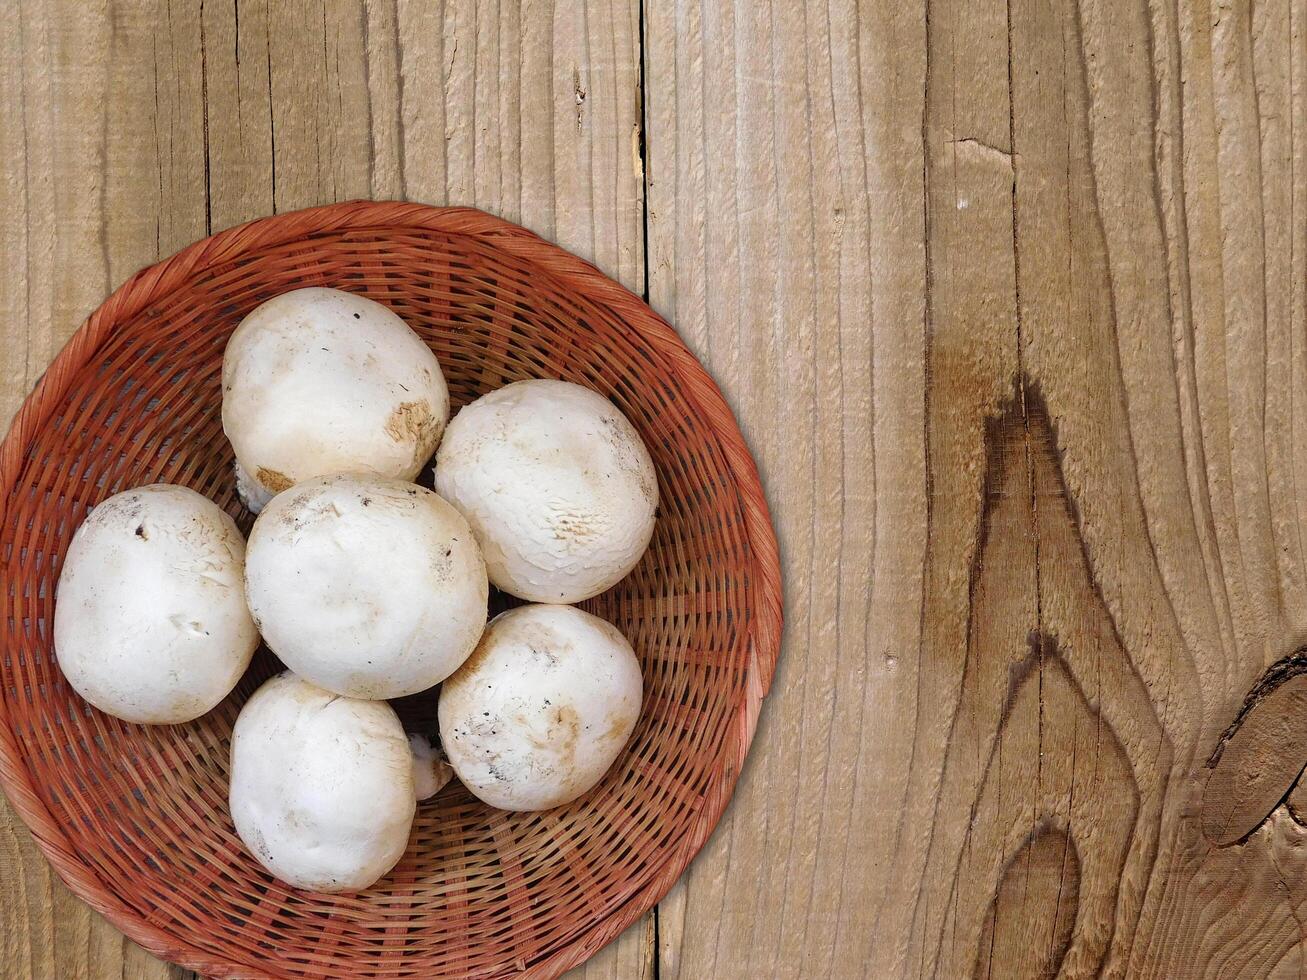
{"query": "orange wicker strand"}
pixel 135 819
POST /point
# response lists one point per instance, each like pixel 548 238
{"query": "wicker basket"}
pixel 135 818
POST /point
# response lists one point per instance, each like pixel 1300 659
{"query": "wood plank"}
pixel 1026 280
pixel 102 142
pixel 786 215
pixel 121 147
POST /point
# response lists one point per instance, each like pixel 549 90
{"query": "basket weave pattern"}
pixel 135 818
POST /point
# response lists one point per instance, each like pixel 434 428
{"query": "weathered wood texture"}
pixel 1010 297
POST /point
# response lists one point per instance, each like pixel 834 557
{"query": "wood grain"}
pixel 1010 297
pixel 786 242
pixel 1022 284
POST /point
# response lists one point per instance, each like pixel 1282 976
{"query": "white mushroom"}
pixel 556 484
pixel 320 381
pixel 539 712
pixel 369 587
pixel 150 623
pixel 323 786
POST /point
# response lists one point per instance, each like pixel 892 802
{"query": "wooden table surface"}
pixel 1010 297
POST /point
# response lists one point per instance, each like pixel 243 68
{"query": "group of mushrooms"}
pixel 369 587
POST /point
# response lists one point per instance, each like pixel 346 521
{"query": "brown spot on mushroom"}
pixel 618 727
pixel 273 480
pixel 410 421
pixel 567 723
pixel 566 716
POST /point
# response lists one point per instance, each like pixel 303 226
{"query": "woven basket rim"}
pixel 573 273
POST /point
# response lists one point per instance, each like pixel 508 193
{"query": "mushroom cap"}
pixel 150 622
pixel 540 711
pixel 319 381
pixel 369 587
pixel 556 484
pixel 321 785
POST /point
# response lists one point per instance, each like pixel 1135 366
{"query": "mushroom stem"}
pixel 430 770
pixel 253 496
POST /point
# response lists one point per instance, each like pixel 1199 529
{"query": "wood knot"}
pixel 1259 759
